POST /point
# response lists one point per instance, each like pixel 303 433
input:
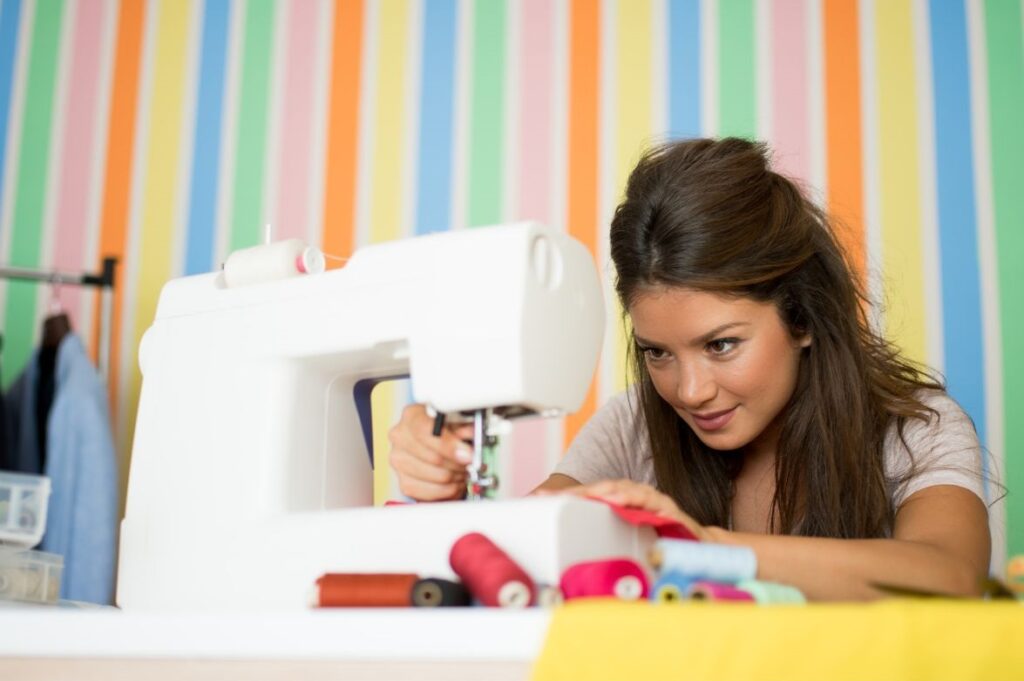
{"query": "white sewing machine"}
pixel 251 473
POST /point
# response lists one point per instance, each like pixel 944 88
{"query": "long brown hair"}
pixel 711 215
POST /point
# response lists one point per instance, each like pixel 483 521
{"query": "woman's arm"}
pixel 940 544
pixel 556 482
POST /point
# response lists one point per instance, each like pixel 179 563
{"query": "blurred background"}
pixel 168 133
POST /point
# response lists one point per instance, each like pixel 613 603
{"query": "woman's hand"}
pixel 429 467
pixel 638 495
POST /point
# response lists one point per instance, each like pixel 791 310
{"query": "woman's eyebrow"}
pixel 710 335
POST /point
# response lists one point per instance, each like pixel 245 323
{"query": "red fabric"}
pixel 664 527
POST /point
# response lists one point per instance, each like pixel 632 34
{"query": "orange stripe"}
pixel 117 184
pixel 584 100
pixel 343 129
pixel 843 124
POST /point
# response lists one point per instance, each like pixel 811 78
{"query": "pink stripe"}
pixel 297 118
pixel 79 148
pixel 529 465
pixel 791 134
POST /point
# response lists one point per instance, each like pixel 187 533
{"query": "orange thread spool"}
pixel 491 576
pixel 365 590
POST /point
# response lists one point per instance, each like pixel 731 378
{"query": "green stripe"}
pixel 487 131
pixel 737 108
pixel 253 110
pixel 20 318
pixel 1006 92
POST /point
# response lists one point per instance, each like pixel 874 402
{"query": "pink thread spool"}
pixel 492 577
pixel 716 591
pixel 618 577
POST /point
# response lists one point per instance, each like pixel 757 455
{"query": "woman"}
pixel 766 411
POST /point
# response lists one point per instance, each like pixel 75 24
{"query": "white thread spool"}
pixel 270 262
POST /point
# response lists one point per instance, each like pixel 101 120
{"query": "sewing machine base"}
pixel 271 564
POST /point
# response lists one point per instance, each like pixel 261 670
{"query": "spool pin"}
pixel 271 262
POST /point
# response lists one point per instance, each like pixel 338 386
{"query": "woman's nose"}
pixel 697 386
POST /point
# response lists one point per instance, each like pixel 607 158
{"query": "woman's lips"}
pixel 714 420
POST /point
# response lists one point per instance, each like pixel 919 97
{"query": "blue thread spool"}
pixel 671 587
pixel 772 593
pixel 703 560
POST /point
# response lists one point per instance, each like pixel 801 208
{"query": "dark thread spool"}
pixel 436 593
pixel 491 576
pixel 365 590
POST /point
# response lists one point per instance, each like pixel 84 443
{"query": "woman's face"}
pixel 727 365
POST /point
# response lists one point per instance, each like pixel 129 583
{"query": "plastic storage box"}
pixel 30 575
pixel 25 575
pixel 23 502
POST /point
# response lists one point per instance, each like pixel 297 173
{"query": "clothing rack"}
pixel 104 280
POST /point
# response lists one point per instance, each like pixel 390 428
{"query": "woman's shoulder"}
pixel 940 447
pixel 942 415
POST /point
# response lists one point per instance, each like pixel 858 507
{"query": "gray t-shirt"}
pixel 614 444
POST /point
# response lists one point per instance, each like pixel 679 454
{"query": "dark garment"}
pixel 44 398
pixel 81 522
pixel 6 464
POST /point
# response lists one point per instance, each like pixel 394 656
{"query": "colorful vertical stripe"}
pixel 684 69
pixel 343 129
pixel 791 130
pixel 79 148
pixel 1006 101
pixel 958 236
pixel 396 118
pixel 293 167
pixel 436 129
pixel 117 181
pixel 634 131
pixel 254 108
pixel 899 173
pixel 10 18
pixel 33 168
pixel 584 141
pixel 535 184
pixel 737 108
pixel 844 141
pixel 206 154
pixel 386 209
pixel 487 126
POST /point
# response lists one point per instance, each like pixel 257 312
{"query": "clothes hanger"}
pixel 56 325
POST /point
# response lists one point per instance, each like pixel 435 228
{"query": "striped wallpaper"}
pixel 169 132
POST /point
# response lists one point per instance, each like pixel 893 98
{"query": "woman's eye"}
pixel 654 354
pixel 722 346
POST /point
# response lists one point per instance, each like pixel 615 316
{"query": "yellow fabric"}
pixel 899 639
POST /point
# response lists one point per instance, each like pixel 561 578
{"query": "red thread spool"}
pixel 617 577
pixel 491 576
pixel 716 591
pixel 365 590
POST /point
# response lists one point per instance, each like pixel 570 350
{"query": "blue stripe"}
pixel 684 68
pixel 10 17
pixel 202 213
pixel 433 201
pixel 958 240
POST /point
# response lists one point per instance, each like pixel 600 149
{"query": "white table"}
pixel 413 643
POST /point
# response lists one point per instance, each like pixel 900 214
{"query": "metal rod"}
pixel 104 280
pixel 37 275
pixel 106 315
